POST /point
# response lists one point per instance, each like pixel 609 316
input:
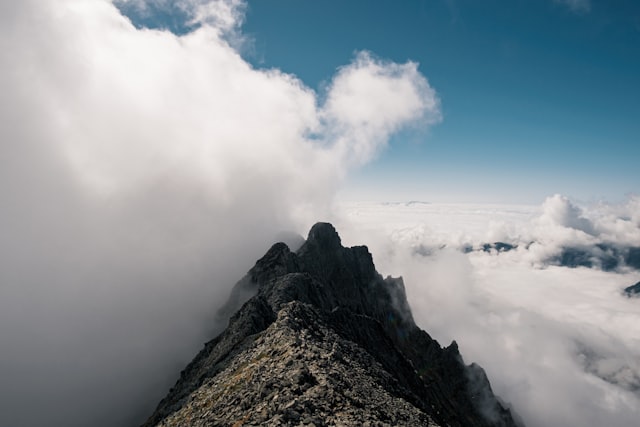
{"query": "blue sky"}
pixel 538 97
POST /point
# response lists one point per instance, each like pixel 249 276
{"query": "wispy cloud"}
pixel 577 6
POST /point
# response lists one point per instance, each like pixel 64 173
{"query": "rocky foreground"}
pixel 326 341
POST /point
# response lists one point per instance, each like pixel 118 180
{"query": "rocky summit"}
pixel 324 340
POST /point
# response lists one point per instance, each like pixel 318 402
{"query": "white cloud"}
pixel 619 223
pixel 224 15
pixel 558 343
pixel 369 98
pixel 141 174
pixel 558 211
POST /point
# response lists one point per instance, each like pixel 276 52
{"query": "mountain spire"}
pixel 325 340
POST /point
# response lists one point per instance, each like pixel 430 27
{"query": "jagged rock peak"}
pixel 318 337
pixel 324 235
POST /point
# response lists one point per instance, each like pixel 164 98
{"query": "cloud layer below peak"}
pixel 558 343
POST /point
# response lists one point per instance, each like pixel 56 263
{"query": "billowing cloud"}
pixel 559 211
pixel 141 174
pixel 369 98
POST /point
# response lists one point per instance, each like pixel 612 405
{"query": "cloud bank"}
pixel 141 174
pixel 558 343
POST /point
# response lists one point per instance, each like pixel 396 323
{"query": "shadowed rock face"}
pixel 633 290
pixel 604 256
pixel 326 340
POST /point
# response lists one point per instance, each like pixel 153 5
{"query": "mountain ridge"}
pixel 325 313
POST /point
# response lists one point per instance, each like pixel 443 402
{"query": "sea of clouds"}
pixel 560 344
pixel 143 172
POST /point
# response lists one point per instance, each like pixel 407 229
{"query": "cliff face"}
pixel 633 290
pixel 325 340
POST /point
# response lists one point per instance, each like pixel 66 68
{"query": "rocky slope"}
pixel 633 290
pixel 325 340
